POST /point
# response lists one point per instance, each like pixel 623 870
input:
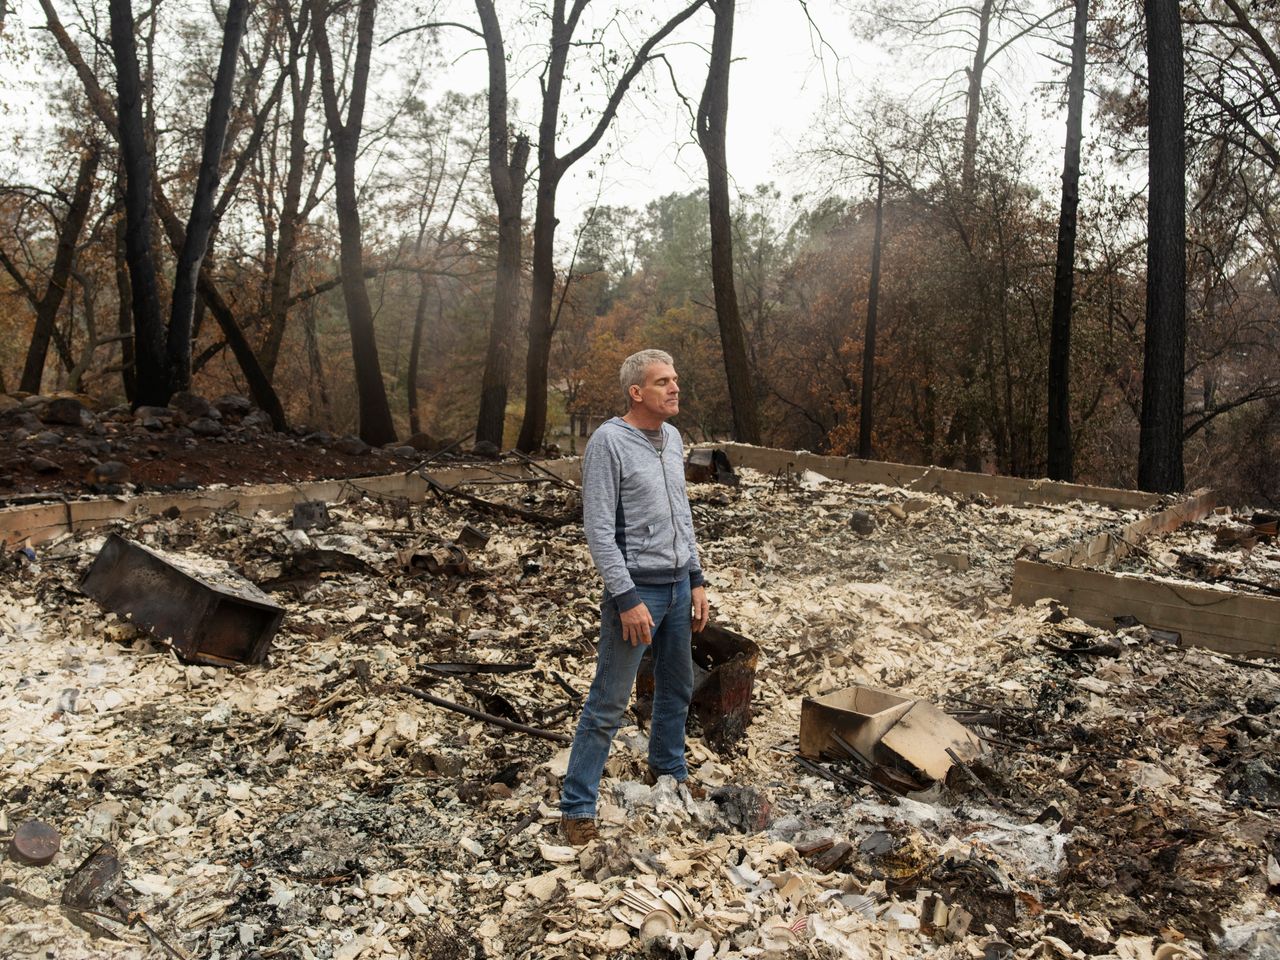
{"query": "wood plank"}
pixel 1228 621
pixel 1110 546
pixel 1011 490
pixel 38 523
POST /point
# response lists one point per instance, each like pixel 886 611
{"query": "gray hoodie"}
pixel 635 511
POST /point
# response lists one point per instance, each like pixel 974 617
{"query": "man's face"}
pixel 660 394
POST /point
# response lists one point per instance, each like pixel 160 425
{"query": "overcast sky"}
pixel 787 65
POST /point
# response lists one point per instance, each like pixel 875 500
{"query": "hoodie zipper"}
pixel 671 507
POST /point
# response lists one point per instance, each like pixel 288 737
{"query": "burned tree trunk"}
pixel 50 301
pixel 291 214
pixel 507 165
pixel 1160 442
pixel 200 223
pixel 713 117
pixel 865 420
pixel 376 426
pixel 152 373
pixel 124 312
pixel 1061 455
pixel 415 351
pixel 973 100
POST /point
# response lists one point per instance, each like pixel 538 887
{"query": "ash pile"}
pixel 384 782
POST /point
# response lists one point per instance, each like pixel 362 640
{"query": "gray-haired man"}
pixel 640 533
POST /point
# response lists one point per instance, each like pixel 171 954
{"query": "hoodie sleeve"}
pixel 685 519
pixel 601 486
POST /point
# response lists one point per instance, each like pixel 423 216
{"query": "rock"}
pixel 310 515
pixel 862 522
pixel 145 413
pixel 41 465
pixel 444 765
pixel 956 561
pixel 497 791
pixel 190 405
pixel 405 452
pixel 424 442
pixel 24 419
pixel 319 437
pixel 67 411
pixel 258 419
pixel 47 438
pixel 486 449
pixel 18 435
pixel 350 446
pixel 154 423
pixel 92 446
pixel 233 405
pixel 107 473
pixel 552 451
pixel 8 403
pixel 745 808
pixel 205 427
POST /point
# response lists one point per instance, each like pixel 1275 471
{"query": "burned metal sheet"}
pixel 883 727
pixel 231 621
pixel 95 880
pixel 724 669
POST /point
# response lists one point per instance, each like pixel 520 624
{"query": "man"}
pixel 640 533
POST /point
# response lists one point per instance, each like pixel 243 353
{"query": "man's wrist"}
pixel 627 600
pixel 696 579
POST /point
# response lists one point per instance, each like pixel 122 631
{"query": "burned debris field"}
pixel 353 795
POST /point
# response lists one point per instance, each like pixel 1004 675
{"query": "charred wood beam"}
pixel 499 508
pixel 486 717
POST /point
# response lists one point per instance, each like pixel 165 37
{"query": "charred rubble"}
pixel 384 782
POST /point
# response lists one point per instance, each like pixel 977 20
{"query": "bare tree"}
pixel 131 133
pixel 713 117
pixel 47 303
pixel 1160 443
pixel 1060 452
pixel 507 162
pixel 552 166
pixel 294 208
pixel 376 426
pixel 866 407
pixel 201 221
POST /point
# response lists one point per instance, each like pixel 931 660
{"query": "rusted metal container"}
pixel 724 671
pixel 709 465
pixel 230 621
pixel 34 843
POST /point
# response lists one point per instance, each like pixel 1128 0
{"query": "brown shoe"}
pixel 579 831
pixel 696 790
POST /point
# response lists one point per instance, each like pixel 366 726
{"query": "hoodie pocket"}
pixel 649 541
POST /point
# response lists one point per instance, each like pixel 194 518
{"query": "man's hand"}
pixel 637 625
pixel 701 609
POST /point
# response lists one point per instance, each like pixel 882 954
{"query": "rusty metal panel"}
pixel 724 670
pixel 210 623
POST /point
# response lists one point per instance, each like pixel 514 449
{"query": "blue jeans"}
pixel 670 605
